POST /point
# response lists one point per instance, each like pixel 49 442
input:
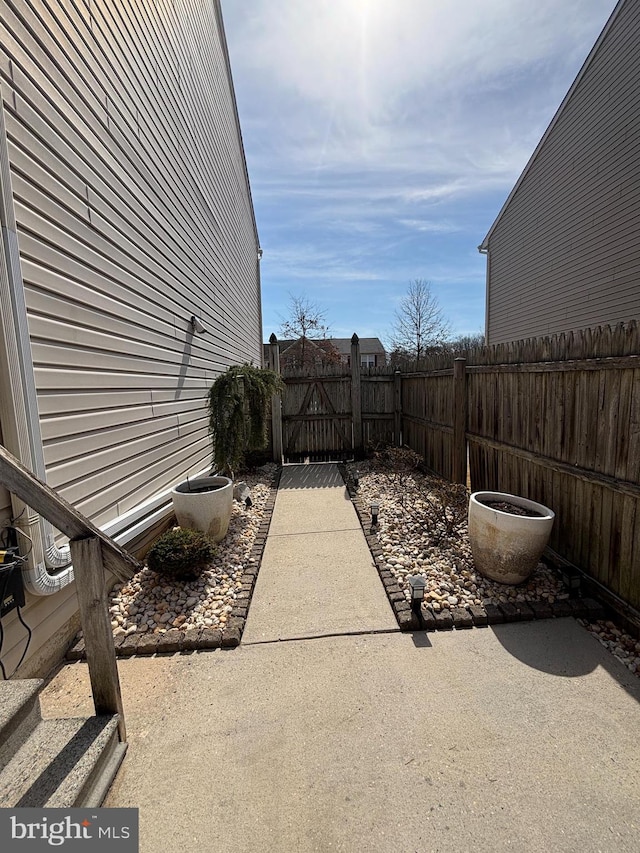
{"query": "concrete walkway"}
pixel 520 737
pixel 317 576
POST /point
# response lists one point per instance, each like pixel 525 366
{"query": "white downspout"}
pixel 18 400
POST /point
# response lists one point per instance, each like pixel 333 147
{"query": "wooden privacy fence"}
pixel 334 411
pixel 558 420
pixel 554 419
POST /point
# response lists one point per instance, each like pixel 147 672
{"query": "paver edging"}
pixel 459 618
pixel 195 639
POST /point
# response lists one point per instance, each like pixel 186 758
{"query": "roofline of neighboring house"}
pixel 484 246
pixel 376 348
pixel 314 343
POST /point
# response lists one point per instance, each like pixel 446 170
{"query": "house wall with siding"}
pixel 565 252
pixel 5 498
pixel 134 213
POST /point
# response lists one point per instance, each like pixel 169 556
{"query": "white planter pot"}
pixel 204 504
pixel 507 547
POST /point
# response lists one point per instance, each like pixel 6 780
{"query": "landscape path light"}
pixel 375 510
pixel 418 585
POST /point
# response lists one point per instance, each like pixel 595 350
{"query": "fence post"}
pixel 459 452
pixel 88 567
pixel 356 395
pixel 397 408
pixel 276 403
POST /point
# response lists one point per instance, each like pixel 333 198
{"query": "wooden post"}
pixel 397 408
pixel 459 451
pixel 91 588
pixel 276 403
pixel 356 396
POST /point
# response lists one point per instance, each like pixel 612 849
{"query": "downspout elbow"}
pixel 38 581
pixel 48 569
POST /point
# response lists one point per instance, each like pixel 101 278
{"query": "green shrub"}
pixel 238 405
pixel 181 554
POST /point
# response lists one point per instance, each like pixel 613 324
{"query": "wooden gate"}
pixel 317 417
pixel 333 412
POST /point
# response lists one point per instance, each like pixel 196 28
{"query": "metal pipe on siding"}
pixel 19 409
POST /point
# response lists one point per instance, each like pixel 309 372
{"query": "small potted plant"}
pixel 238 404
pixel 508 534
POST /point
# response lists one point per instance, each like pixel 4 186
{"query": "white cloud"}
pixel 429 227
pixel 356 81
pixel 377 131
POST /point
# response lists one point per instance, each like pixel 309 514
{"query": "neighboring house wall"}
pixel 565 251
pixel 329 351
pixel 133 213
pixel 372 353
pixel 308 353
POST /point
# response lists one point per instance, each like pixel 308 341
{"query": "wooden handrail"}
pixel 92 552
pixel 42 498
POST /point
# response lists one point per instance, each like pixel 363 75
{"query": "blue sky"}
pixel 383 136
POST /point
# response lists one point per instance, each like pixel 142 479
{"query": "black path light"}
pixel 375 511
pixel 418 585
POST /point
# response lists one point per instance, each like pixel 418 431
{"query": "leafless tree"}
pixel 419 323
pixel 306 320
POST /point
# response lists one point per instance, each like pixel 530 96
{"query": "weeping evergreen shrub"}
pixel 238 407
pixel 181 554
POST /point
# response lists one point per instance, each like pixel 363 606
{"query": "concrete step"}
pixel 64 763
pixel 19 715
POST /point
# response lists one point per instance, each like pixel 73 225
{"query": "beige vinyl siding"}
pixel 565 252
pixel 53 621
pixel 5 498
pixel 134 212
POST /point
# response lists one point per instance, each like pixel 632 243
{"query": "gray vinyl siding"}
pixel 134 212
pixel 565 252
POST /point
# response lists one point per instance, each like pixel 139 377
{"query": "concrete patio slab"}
pixel 522 737
pixel 317 576
pixel 314 584
pixel 313 512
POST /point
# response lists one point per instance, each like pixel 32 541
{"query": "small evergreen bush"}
pixel 181 554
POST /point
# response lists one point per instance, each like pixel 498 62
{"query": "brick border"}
pixel 174 640
pixel 472 616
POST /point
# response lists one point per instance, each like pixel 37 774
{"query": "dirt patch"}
pixel 512 509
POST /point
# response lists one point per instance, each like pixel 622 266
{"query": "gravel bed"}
pixel 409 547
pixel 149 604
pixel 623 646
pixel 414 542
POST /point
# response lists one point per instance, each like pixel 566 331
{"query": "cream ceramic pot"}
pixel 204 504
pixel 507 547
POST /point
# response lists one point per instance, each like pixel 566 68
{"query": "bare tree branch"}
pixel 305 319
pixel 305 322
pixel 419 322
